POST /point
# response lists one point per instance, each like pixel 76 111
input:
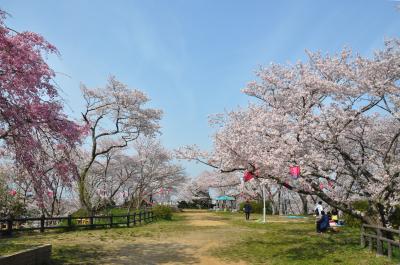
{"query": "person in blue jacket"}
pixel 323 223
pixel 247 209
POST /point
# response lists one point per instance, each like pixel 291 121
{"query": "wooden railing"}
pixel 378 236
pixel 8 226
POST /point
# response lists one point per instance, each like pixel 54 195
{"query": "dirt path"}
pixel 202 231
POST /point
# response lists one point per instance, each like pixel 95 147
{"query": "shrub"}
pixel 163 212
pixel 184 205
pixel 195 204
pixel 257 207
pixel 10 205
pixel 351 221
pixel 362 206
pixel 80 213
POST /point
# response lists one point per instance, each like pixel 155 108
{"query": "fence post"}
pixel 370 243
pixel 389 250
pixel 134 218
pixel 362 236
pixel 379 241
pixel 140 217
pixel 91 221
pixel 9 226
pixel 111 221
pixel 151 216
pixel 127 220
pixel 42 223
pixel 69 221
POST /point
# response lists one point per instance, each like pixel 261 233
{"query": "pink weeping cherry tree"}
pixel 336 117
pixel 33 127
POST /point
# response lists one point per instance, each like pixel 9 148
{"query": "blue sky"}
pixel 192 57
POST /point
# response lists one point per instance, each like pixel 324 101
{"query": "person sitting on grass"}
pixel 322 222
pixel 335 215
pixel 329 215
pixel 247 209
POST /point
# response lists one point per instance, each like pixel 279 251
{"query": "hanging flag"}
pixel 248 176
pixel 295 171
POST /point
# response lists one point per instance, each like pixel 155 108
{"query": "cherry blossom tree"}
pixel 107 177
pixel 115 116
pixel 32 123
pixel 152 172
pixel 133 179
pixel 11 203
pixel 48 198
pixel 197 190
pixel 337 117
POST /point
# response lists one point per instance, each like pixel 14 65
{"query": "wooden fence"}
pixel 8 226
pixel 375 235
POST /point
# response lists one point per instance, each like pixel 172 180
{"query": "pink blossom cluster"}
pixel 32 121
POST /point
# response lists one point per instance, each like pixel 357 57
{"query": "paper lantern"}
pixel 50 193
pixel 248 176
pixel 321 186
pixel 330 183
pixel 295 171
pixel 13 192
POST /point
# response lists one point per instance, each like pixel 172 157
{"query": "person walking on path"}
pixel 247 209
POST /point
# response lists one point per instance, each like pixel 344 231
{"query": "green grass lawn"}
pixel 232 238
pixel 61 237
pixel 296 243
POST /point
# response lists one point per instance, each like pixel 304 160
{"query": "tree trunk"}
pixel 280 203
pixel 83 195
pixel 304 204
pixel 273 207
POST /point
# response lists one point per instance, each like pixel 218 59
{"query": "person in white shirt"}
pixel 318 212
pixel 318 208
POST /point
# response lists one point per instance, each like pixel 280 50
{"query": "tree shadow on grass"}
pixel 213 218
pixel 77 254
pixel 138 253
pixel 309 253
pixel 158 253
